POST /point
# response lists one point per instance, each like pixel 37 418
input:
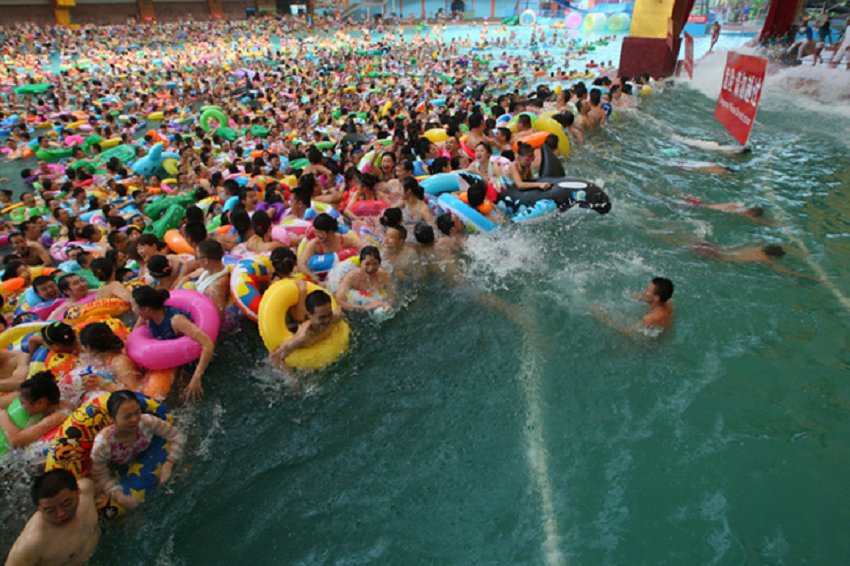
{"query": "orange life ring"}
pixel 484 208
pixel 535 140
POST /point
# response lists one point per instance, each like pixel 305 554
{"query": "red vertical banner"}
pixel 740 93
pixel 689 54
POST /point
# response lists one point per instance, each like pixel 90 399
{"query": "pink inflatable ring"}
pixel 154 354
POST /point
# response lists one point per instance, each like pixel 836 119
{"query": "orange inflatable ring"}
pixel 177 243
pixel 485 208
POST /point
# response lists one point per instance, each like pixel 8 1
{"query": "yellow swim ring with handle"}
pixel 271 320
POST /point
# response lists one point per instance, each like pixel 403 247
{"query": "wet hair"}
pixel 317 298
pixel 438 165
pixel 370 251
pixel 195 232
pixel 283 260
pixel 663 288
pixel 391 217
pixel 552 141
pixel 261 223
pixel 150 240
pixel 42 385
pixel 423 233
pixel 158 266
pixel 118 398
pixel 475 121
pixel 12 268
pixel 445 223
pixel 476 194
pixel 58 333
pixel 39 281
pixel 326 223
pixel 211 249
pixel 773 251
pixel 194 214
pixel 524 149
pixel 412 185
pixel 50 484
pixel 99 337
pixel 102 268
pixel 755 211
pixel 525 120
pixel 241 221
pixel 146 296
pixel 88 231
pixel 402 231
pixel 64 282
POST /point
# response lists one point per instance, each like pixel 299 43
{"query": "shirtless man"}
pixel 396 253
pixel 476 133
pixel 14 366
pixel 767 255
pixel 212 278
pixel 64 530
pixel 754 213
pixel 31 253
pixel 701 166
pixel 657 294
pixel 321 320
pixel 75 288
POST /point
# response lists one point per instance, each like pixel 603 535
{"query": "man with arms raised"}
pixel 64 529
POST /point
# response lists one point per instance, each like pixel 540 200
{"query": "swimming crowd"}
pixel 322 169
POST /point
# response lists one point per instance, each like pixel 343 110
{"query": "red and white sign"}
pixel 698 19
pixel 740 93
pixel 689 55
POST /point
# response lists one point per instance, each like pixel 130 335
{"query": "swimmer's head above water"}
pixel 773 251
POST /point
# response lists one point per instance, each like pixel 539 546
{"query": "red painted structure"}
pixel 658 56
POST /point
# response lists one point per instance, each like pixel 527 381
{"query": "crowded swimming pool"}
pixel 493 418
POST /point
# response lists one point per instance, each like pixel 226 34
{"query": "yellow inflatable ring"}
pixel 156 116
pixel 550 126
pixel 271 319
pixel 15 333
pixel 437 135
pixel 110 143
pixel 100 308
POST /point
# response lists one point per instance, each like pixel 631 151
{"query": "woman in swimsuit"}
pixel 104 362
pixel 167 323
pixel 327 241
pixel 413 208
pixel 521 172
pixel 212 278
pixel 369 287
pixel 130 434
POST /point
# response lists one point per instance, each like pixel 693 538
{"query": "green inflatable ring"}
pixel 212 113
pixel 37 88
pixel 168 221
pixel 260 131
pixel 302 163
pixel 214 224
pixel 54 155
pixel 124 152
pixel 157 207
pixel 20 418
pixel 323 145
pixel 227 133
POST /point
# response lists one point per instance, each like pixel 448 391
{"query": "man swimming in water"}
pixel 64 529
pixel 657 294
pixel 754 213
pixel 321 320
pixel 767 255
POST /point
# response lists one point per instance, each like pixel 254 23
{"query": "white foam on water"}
pixel 166 556
pixel 788 230
pixel 806 87
pixel 537 454
pixel 507 253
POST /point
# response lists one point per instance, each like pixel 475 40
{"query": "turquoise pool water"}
pixel 460 433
